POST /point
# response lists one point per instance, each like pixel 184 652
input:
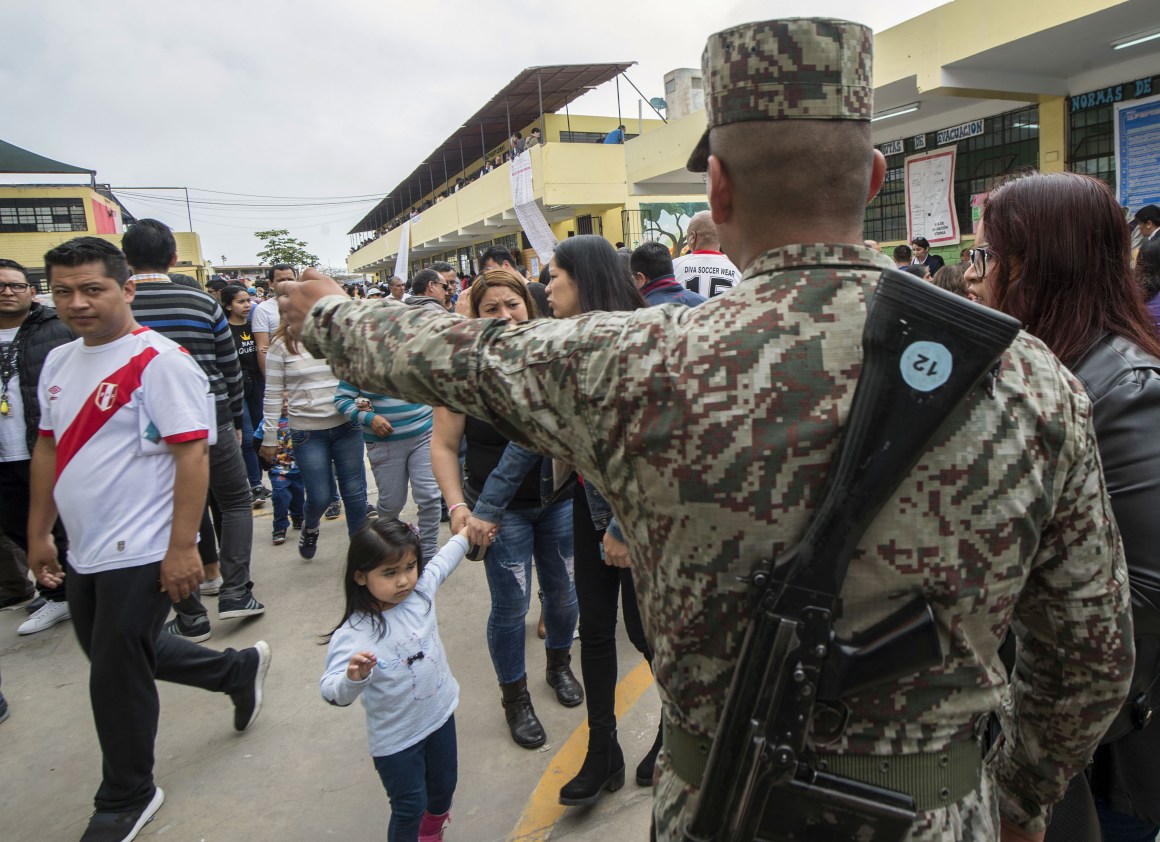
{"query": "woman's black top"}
pixel 485 447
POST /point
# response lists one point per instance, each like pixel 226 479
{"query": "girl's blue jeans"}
pixel 420 779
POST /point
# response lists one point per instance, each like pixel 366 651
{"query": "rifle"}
pixel 924 351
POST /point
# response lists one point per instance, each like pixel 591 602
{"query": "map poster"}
pixel 930 198
pixel 1137 126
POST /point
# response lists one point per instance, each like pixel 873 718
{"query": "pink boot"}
pixel 431 827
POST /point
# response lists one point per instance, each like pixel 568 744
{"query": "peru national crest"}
pixel 106 394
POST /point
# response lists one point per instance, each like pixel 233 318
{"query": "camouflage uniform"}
pixel 710 430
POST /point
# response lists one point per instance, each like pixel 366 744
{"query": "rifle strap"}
pixel 934 779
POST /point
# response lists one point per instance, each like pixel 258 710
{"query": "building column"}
pixel 1053 134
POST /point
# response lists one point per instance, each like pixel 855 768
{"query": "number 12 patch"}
pixel 926 365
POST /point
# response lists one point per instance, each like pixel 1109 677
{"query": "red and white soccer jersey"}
pixel 114 488
pixel 708 272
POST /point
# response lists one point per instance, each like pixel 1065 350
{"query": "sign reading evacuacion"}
pixel 961 132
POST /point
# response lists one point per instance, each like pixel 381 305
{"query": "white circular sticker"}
pixel 926 365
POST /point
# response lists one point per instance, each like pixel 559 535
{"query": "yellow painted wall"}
pixel 922 45
pixel 556 123
pixel 1053 134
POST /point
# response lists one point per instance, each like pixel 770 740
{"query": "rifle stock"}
pixel 924 350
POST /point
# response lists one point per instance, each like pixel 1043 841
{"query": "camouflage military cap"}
pixel 789 69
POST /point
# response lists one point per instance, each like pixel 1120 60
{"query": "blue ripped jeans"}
pixel 546 535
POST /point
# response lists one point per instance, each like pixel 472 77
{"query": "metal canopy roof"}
pixel 13 159
pixel 558 84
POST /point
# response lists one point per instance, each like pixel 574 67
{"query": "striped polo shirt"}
pixel 194 320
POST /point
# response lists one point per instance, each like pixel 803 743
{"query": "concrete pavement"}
pixel 302 772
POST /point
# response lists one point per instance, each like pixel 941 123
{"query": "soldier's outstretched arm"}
pixel 546 384
pixel 1076 651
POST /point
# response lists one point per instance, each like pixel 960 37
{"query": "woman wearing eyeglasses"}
pixel 1054 252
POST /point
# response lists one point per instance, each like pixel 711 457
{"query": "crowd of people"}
pixel 639 432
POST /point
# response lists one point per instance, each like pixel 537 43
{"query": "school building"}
pixel 964 94
pixel 35 218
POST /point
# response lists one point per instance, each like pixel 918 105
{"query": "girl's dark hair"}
pixel 1148 268
pixel 230 293
pixel 1063 264
pixel 377 543
pixel 602 278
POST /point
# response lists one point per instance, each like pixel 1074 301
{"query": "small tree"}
pixel 279 247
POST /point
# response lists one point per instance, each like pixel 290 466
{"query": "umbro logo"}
pixel 55 390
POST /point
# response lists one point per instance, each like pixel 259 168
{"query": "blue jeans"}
pixel 315 451
pixel 1120 827
pixel 287 494
pixel 545 534
pixel 420 779
pixel 253 469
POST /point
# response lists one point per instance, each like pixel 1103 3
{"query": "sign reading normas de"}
pixel 957 133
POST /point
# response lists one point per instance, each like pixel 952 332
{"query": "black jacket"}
pixel 41 332
pixel 1124 386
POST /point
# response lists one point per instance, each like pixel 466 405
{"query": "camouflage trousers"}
pixel 973 819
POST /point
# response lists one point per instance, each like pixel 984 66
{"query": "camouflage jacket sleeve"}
pixel 546 384
pixel 1075 647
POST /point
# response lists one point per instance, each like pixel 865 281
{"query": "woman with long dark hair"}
pixel 236 303
pixel 531 523
pixel 1054 252
pixel 587 275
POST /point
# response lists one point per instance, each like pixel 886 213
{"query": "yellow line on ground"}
pixel 543 809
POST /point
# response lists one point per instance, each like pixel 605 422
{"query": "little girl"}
pixel 387 649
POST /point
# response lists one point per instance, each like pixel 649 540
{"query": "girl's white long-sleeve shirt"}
pixel 411 693
pixel 309 385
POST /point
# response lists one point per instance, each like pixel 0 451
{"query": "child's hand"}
pixel 361 665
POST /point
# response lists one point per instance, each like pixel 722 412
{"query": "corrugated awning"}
pixel 13 159
pixel 558 84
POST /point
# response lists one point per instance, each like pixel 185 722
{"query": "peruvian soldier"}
pixel 710 431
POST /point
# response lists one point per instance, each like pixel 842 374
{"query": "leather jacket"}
pixel 1123 383
pixel 40 332
pixel 1124 386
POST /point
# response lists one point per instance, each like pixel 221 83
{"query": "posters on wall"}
pixel 531 218
pixel 930 197
pixel 404 251
pixel 1137 133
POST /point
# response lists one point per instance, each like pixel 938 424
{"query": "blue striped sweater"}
pixel 407 419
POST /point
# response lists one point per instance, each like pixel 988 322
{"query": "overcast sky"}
pixel 318 100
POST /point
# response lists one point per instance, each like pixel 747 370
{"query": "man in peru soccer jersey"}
pixel 122 453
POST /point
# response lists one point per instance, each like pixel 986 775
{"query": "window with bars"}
pixel 25 216
pixel 1009 142
pixel 1091 143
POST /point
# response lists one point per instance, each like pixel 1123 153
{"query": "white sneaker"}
pixel 211 587
pixel 47 617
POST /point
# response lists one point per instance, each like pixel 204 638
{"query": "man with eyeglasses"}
pixel 451 279
pixel 28 331
pixel 428 289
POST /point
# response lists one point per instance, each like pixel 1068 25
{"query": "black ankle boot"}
pixel 603 769
pixel 521 716
pixel 569 693
pixel 644 769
